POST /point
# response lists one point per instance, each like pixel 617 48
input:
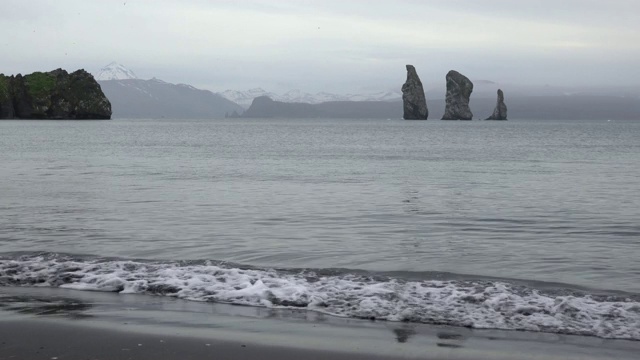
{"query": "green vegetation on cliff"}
pixel 53 95
pixel 39 84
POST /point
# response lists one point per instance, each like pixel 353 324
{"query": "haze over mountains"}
pixel 245 98
pixel 132 97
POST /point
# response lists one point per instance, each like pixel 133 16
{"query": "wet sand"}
pixel 52 340
pixel 39 323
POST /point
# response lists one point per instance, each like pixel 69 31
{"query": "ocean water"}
pixel 524 225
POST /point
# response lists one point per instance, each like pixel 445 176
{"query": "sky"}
pixel 341 46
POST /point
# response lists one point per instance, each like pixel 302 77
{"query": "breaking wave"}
pixel 481 304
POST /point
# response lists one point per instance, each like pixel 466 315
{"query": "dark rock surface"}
pixel 53 95
pixel 413 99
pixel 6 101
pixel 459 89
pixel 500 112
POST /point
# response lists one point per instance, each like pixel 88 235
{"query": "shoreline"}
pixel 32 339
pixel 68 324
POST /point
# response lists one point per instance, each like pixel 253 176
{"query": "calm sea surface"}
pixel 551 201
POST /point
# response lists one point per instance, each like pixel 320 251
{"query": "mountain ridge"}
pixel 246 97
pixel 155 98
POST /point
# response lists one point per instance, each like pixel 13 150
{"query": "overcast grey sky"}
pixel 329 45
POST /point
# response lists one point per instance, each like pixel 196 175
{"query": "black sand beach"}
pixel 29 339
pixel 38 323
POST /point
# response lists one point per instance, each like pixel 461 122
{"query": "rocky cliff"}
pixel 500 112
pixel 413 99
pixel 459 89
pixel 52 95
pixel 6 102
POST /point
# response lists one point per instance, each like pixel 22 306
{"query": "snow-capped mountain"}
pixel 155 99
pixel 115 71
pixel 245 98
pixel 379 96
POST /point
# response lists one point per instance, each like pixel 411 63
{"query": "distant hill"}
pixel 245 98
pixel 136 98
pixel 265 107
pixel 565 107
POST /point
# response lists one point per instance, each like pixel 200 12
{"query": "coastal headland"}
pixel 55 95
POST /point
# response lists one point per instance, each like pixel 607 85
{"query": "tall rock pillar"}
pixel 459 89
pixel 413 99
pixel 500 113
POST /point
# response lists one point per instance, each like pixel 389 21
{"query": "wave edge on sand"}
pixel 480 304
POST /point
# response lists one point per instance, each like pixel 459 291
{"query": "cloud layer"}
pixel 337 46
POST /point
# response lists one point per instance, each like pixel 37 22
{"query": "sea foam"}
pixel 477 304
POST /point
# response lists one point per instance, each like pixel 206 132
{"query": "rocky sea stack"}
pixel 414 101
pixel 500 113
pixel 53 95
pixel 459 89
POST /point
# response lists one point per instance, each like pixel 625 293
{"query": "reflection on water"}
pixel 46 306
pixel 403 334
pixel 451 340
pixel 449 336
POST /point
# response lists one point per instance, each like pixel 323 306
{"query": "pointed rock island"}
pixel 413 99
pixel 52 95
pixel 459 89
pixel 500 112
